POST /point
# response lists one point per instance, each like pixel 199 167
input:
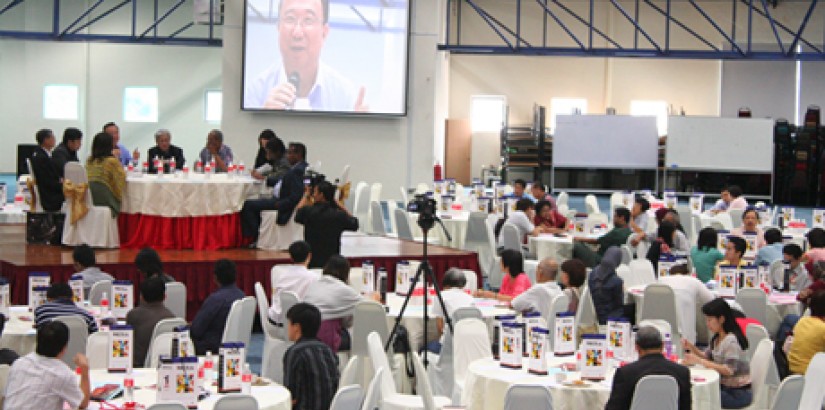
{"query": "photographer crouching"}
pixel 324 219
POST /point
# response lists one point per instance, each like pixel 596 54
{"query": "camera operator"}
pixel 324 219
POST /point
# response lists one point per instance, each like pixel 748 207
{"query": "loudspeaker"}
pixel 24 152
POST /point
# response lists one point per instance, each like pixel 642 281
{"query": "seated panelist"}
pixel 165 151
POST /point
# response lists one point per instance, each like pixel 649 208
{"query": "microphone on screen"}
pixel 294 79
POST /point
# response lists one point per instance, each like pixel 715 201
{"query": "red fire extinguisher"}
pixel 437 171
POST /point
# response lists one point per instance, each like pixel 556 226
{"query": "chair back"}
pixel 238 326
pixel 479 239
pixel 586 312
pixel 391 207
pixel 373 396
pixel 466 312
pixel 96 346
pixel 642 272
pixel 755 334
pixel 686 219
pixel 789 393
pixel 176 299
pixel 263 309
pixel 422 385
pixel 4 378
pixel 724 219
pixel 379 360
pixel 368 317
pixel 814 391
pixel 75 172
pixel 760 364
pixel 362 206
pixel 97 290
pixel 656 392
pixel 167 406
pixel 472 280
pixel 474 338
pixel 38 206
pixel 162 346
pixel 562 199
pixel 627 254
pixel 591 204
pixel 164 326
pixel 509 238
pixel 403 223
pixel 624 272
pixel 272 360
pixel 236 402
pixel 660 303
pixel 377 226
pixel 347 398
pixel 754 304
pixel 555 301
pixel 78 335
pixel 736 217
pixel 524 396
pixel 777 272
pixel 558 305
pixel 288 299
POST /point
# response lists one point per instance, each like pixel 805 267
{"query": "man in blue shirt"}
pixel 120 152
pixel 217 150
pixel 520 190
pixel 207 328
pixel 773 251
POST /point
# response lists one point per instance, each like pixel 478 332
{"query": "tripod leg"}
pixel 431 274
pixel 404 308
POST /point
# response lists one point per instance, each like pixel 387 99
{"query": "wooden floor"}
pixel 15 250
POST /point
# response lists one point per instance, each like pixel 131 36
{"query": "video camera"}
pixel 426 208
pixel 313 178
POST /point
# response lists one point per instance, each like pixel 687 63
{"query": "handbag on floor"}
pixel 44 227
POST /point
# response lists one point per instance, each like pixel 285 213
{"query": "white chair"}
pixel 642 271
pixel 372 398
pixel 754 304
pixel 163 326
pixel 814 391
pixel 509 237
pixel 97 347
pixel 591 204
pixel 562 199
pixel 586 312
pixel 38 207
pixel 777 272
pixel 391 207
pixel 736 217
pixel 724 219
pixel 525 396
pixel 362 205
pixel 176 299
pixel 377 226
pixel 287 300
pixel 624 272
pixel 656 392
pixel 473 337
pixel 162 346
pixel 479 239
pixel 686 219
pixel 271 333
pixel 98 228
pixel 4 377
pixel 616 201
pixel 760 364
pixel 660 303
pixel 167 406
pixel 273 366
pixel 272 236
pixel 440 370
pixel 236 402
pixel 424 389
pixel 755 334
pixel 347 398
pixel 97 291
pixel 368 317
pixel 472 280
pixel 402 220
pixel 627 254
pixel 238 326
pixel 789 393
pixel 78 335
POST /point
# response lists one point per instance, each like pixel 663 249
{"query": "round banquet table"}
pixel 784 303
pixel 487 382
pixel 559 248
pixel 183 211
pixel 270 397
pixel 455 222
pixel 19 334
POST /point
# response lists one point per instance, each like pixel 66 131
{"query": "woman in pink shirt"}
pixel 515 281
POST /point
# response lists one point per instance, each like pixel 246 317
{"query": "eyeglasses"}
pixel 307 23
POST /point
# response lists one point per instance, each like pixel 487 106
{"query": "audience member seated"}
pixel 291 278
pixel 725 355
pixel 165 151
pixel 325 219
pixel 148 262
pixel 680 241
pixel 46 174
pixel 573 275
pixel 67 150
pixel 310 367
pixel 286 194
pixel 639 216
pixel 750 223
pixel 514 281
pixel 144 317
pixel 522 218
pixel 705 255
pixel 454 296
pixel 817 283
pixel 540 194
pixel 543 292
pixel 772 251
pixel 616 237
pixel 207 327
pixel 262 158
pixel 216 150
pixel 548 219
pixel 275 164
pixel 688 291
pixel 7 356
pixel 120 151
pixel 651 362
pixel 336 300
pixel 731 198
pixel 606 287
pixel 520 190
pixel 107 180
pixel 84 264
pixel 42 381
pixel 60 303
pixel 734 251
pixel 808 336
pixel 668 240
pixel 816 241
pixel 796 277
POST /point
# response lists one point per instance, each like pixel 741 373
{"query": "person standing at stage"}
pixel 207 328
pixel 324 221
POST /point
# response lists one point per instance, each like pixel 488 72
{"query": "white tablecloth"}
pixel 270 397
pixel 456 225
pixel 19 334
pixel 487 383
pixel 784 303
pixel 552 246
pixel 179 196
pixel 11 214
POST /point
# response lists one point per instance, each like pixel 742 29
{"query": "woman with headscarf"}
pixel 606 286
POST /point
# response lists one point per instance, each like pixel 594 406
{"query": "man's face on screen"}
pixel 302 32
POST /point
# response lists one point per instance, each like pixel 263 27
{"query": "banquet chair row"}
pixel 175 301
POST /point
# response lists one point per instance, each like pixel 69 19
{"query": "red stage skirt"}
pixel 194 232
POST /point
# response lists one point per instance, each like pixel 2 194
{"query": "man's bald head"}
pixel 547 270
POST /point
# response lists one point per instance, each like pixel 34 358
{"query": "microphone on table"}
pixel 294 79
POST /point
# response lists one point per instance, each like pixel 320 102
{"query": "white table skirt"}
pixel 487 382
pixel 270 397
pixel 11 214
pixel 456 225
pixel 19 334
pixel 552 246
pixel 179 196
pixel 784 303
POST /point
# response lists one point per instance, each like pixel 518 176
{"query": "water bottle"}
pixel 241 169
pixel 246 380
pixel 158 165
pixel 105 313
pixel 145 167
pixel 212 163
pixel 172 165
pixel 19 200
pixel 129 391
pixel 198 166
pixel 668 346
pixel 382 284
pixel 209 366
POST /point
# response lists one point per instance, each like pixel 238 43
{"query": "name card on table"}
pixel 818 218
pixel 37 297
pixel 751 245
pixel 368 278
pixel 37 280
pixel 750 277
pixel 670 199
pixel 122 298
pixel 500 320
pixel 76 283
pixel 230 367
pixel 666 263
pixel 177 380
pixel 765 279
pixel 728 281
pixel 510 344
pixel 564 340
pixel 722 241
pixel 121 348
pixel 5 297
pixel 539 339
pixel 403 278
pixel 579 226
pixel 619 338
pixel 593 363
pixel 181 342
pixel 531 320
pixel 787 215
pixel 695 202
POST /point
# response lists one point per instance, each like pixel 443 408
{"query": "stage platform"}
pixel 194 268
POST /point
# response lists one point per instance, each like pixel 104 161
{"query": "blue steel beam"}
pixel 163 17
pixel 560 23
pixel 82 16
pixel 786 29
pixel 716 26
pixel 803 25
pixel 105 38
pixel 181 30
pixel 101 16
pixel 681 25
pixel 630 19
pixel 773 26
pixel 590 25
pixel 10 6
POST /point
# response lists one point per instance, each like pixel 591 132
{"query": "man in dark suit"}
pixel 651 362
pixel 67 150
pixel 49 182
pixel 165 151
pixel 287 193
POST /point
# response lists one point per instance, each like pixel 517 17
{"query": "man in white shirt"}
pixel 293 278
pixel 522 218
pixel 454 297
pixel 542 293
pixel 689 293
pixel 41 380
